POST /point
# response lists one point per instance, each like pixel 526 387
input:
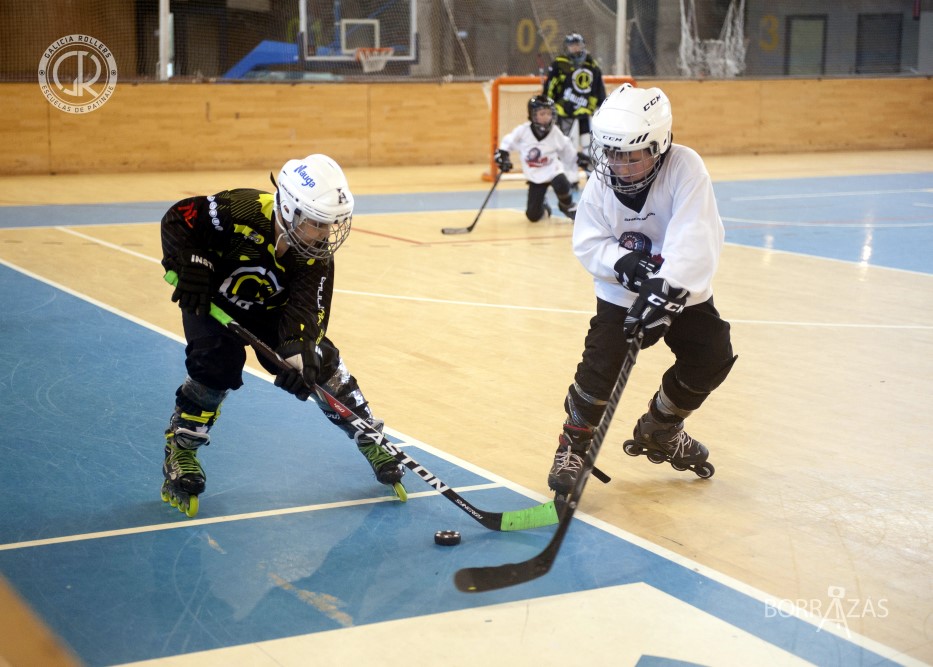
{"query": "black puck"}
pixel 447 538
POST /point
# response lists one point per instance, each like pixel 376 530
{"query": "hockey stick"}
pixel 479 579
pixel 544 514
pixel 467 230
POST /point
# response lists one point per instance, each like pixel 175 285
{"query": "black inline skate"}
pixel 664 441
pixel 386 467
pixel 184 476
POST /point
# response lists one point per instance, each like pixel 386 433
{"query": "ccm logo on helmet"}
pixel 301 170
pixel 650 104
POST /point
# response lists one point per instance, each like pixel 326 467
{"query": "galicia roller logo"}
pixel 77 74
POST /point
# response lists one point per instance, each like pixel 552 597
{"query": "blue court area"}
pixel 878 220
pixel 294 536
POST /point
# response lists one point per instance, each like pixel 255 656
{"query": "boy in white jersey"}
pixel 648 230
pixel 543 149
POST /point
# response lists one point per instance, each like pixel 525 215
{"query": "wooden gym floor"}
pixel 468 343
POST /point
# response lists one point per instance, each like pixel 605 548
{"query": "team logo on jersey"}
pixel 250 286
pixel 636 242
pixel 535 159
pixel 583 80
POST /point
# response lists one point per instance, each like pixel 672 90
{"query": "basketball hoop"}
pixel 374 58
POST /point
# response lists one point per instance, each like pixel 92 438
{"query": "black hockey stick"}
pixel 544 514
pixel 479 579
pixel 467 230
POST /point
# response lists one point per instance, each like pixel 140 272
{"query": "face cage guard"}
pixel 600 155
pixel 337 233
pixel 542 129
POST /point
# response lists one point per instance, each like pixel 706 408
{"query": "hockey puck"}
pixel 447 538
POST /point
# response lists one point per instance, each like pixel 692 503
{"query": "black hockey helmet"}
pixel 541 102
pixel 575 48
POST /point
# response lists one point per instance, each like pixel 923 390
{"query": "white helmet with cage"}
pixel 631 130
pixel 314 206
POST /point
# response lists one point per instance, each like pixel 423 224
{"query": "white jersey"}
pixel 541 160
pixel 679 225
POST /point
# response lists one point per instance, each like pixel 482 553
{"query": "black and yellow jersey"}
pixel 576 89
pixel 235 229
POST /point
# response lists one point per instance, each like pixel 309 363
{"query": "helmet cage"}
pixel 575 55
pixel 297 230
pixel 604 158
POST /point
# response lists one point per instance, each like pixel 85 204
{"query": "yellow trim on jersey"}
pixel 267 202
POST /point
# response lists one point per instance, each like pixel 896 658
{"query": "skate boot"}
pixel 568 208
pixel 385 467
pixel 184 476
pixel 664 441
pixel 568 459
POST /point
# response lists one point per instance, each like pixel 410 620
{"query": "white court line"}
pixel 474 304
pixel 817 195
pixel 714 575
pixel 829 225
pixel 81 537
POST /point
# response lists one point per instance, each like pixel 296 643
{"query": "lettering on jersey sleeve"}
pixel 189 213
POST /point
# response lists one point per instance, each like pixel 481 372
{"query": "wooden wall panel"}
pixel 428 124
pixel 161 127
pixel 24 130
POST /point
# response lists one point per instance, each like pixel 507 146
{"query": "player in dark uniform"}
pixel 267 260
pixel 575 83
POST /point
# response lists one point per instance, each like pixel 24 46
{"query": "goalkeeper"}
pixel 575 83
pixel 268 260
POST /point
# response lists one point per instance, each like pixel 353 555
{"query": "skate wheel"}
pixel 191 507
pixel 678 466
pixel 400 491
pixel 656 457
pixel 630 448
pixel 705 470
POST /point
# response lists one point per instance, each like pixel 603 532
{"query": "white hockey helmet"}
pixel 314 206
pixel 630 131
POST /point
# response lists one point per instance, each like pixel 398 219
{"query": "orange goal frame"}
pixel 610 81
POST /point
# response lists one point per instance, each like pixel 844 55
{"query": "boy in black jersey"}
pixel 267 260
pixel 575 83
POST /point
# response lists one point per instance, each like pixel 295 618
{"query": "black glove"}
pixel 633 268
pixel 303 356
pixel 657 304
pixel 503 160
pixel 583 161
pixel 193 290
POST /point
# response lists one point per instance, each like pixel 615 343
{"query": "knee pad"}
pixel 216 361
pixel 583 409
pixel 703 381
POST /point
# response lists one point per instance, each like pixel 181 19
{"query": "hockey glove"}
pixel 193 290
pixel 305 360
pixel 583 161
pixel 633 268
pixel 504 161
pixel 657 304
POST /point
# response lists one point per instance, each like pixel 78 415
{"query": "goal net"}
pixel 508 97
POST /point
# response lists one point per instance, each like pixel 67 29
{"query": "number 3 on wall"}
pixel 768 33
pixel 526 35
